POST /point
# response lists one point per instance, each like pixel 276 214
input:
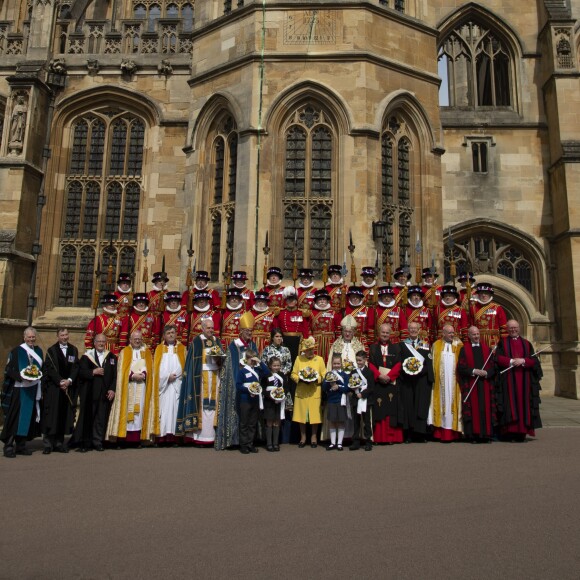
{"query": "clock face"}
pixel 310 27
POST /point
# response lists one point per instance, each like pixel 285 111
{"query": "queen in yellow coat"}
pixel 308 372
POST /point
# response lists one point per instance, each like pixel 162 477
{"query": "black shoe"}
pixel 354 447
pixel 23 452
pixel 270 448
pixel 99 448
pixel 301 445
pixel 314 445
pixel 339 448
pixel 81 450
pixel 369 447
pixel 47 451
pixel 10 454
pixel 276 447
pixel 61 449
pixel 244 450
pixel 254 449
pixel 331 447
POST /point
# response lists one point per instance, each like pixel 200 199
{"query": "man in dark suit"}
pixel 60 370
pixel 97 384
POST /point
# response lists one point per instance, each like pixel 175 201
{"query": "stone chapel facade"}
pixel 132 129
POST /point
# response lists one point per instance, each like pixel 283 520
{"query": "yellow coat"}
pixel 308 395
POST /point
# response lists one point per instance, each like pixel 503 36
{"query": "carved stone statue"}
pixel 18 123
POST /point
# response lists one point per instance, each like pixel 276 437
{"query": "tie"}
pixel 413 343
pixel 447 347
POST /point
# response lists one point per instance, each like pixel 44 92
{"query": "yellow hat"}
pixel 307 343
pixel 246 320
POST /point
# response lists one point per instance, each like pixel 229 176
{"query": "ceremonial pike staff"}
pixel 478 377
pixel 535 354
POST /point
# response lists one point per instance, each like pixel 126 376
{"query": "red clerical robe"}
pixel 479 408
pixel 519 392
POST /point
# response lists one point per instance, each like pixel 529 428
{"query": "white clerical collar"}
pixel 204 309
pixel 123 291
pixel 371 285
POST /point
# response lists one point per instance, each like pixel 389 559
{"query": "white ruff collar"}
pixel 420 305
pixel 482 302
pixel 123 291
pixel 232 308
pixel 327 307
pixel 339 283
pixel 198 309
pixel 141 310
pixel 274 286
pixel 259 310
pixel 306 286
pixel 200 287
pixel 371 285
pixel 447 305
pixel 176 309
pixel 391 303
pixel 109 311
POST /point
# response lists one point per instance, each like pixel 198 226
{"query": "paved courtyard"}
pixel 407 511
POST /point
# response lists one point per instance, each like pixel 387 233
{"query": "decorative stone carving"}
pixel 18 120
pixel 128 67
pixel 165 68
pixel 93 66
pixel 7 238
pixel 564 57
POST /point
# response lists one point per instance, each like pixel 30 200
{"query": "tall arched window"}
pixel 103 191
pixel 396 203
pixel 477 64
pixel 308 199
pixel 223 200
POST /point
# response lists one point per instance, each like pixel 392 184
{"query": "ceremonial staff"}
pixel 478 377
pixel 418 251
pixel 110 268
pixel 145 270
pixel 189 283
pixel 295 265
pixel 98 275
pixel 535 354
pixel 161 304
pixel 324 274
pixel 452 268
pixel 403 292
pixel 266 250
pixel 343 273
pixel 351 249
pixel 227 274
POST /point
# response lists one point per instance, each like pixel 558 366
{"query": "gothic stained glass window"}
pixel 397 207
pixel 225 160
pixel 102 196
pixel 308 187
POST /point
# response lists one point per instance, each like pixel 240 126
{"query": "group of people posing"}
pixel 394 364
